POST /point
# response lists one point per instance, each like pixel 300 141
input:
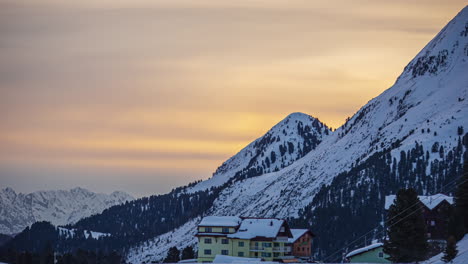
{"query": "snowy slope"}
pixel 156 249
pixel 462 257
pixel 431 95
pixel 287 141
pixel 59 207
pixel 436 100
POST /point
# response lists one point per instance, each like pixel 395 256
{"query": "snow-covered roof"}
pixel 229 259
pixel 228 221
pixel 429 201
pixel 253 227
pixel 297 233
pixel 364 249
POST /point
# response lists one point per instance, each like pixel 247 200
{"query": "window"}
pixel 224 241
pixel 380 254
pixel 276 244
pixel 299 249
pixel 266 254
pixel 432 223
pixel 266 244
pixel 428 235
pixel 225 230
pixel 224 252
pixel 303 249
pixel 207 252
pixel 241 243
pixel 208 229
pixel 276 254
pixel 282 229
pixel 240 254
pixel 207 240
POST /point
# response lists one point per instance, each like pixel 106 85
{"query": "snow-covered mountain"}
pixel 60 207
pixel 289 140
pixel 427 106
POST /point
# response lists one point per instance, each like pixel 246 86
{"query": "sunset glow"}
pixel 133 93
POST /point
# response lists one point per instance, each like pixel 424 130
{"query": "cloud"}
pixel 182 85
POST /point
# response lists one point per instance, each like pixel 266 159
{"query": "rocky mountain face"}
pixel 412 135
pixel 61 207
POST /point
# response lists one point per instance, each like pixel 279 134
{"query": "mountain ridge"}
pixel 60 207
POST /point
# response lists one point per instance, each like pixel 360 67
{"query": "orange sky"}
pixel 143 95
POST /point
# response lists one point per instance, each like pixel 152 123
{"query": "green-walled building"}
pixel 262 238
pixel 370 254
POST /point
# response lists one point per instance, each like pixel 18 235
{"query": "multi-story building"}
pixel 436 210
pixel 265 238
pixel 301 243
pixel 212 237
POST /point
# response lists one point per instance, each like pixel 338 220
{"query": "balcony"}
pixel 281 249
pixel 257 248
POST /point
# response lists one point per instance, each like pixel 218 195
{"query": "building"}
pixel 369 254
pixel 301 243
pixel 212 237
pixel 436 211
pixel 268 239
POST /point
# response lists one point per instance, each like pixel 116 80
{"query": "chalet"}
pixel 436 210
pixel 269 239
pixel 301 243
pixel 369 254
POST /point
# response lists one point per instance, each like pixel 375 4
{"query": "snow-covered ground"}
pixel 462 257
pixel 157 248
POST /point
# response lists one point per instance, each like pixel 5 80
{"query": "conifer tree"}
pixel 188 253
pixel 450 250
pixel 461 200
pixel 173 255
pixel 407 241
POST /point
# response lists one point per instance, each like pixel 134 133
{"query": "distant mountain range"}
pixel 60 207
pixel 335 183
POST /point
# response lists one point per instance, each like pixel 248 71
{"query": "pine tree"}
pixel 461 202
pixel 407 240
pixel 188 253
pixel 450 250
pixel 173 255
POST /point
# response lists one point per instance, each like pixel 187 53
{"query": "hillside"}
pixel 413 134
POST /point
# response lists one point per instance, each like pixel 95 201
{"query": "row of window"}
pixel 210 230
pixel 266 244
pixel 299 249
pixel 241 254
pixel 223 241
pixel 223 252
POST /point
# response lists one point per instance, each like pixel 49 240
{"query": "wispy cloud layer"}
pixel 138 88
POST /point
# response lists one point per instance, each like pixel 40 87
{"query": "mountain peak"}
pixel 298 115
pixel 289 140
pixel 448 48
